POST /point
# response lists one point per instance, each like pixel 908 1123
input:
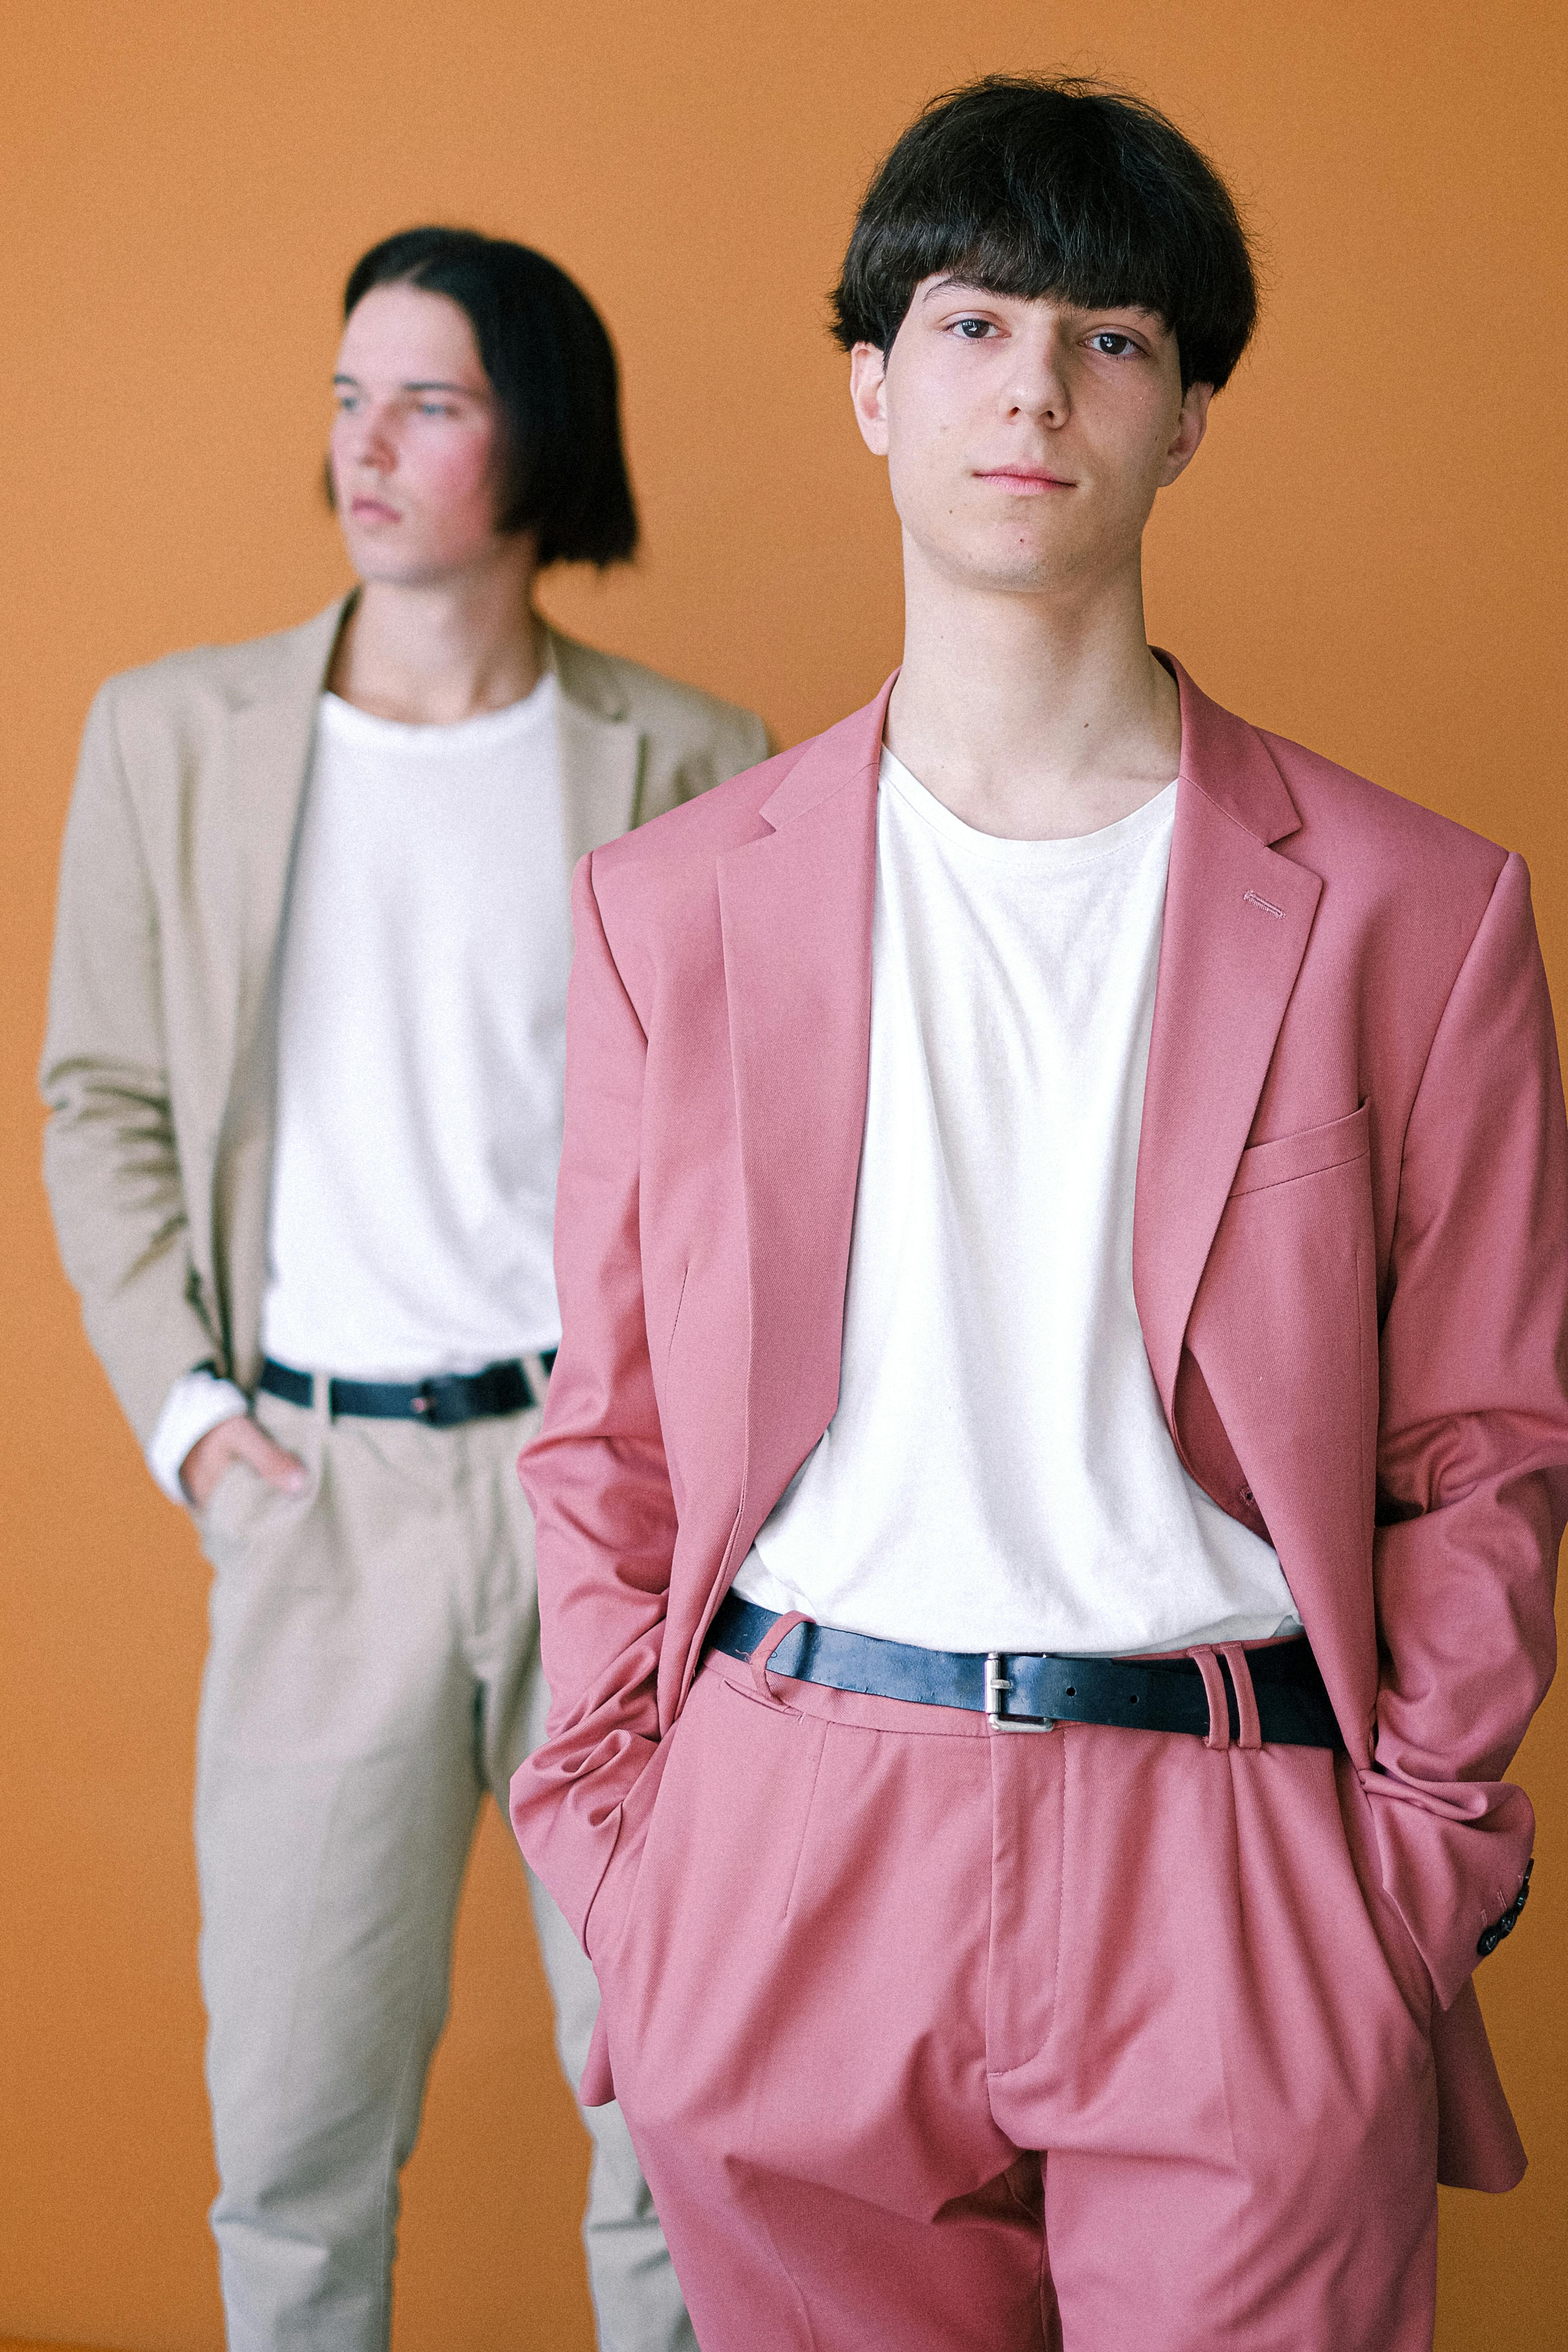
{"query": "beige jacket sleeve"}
pixel 110 1159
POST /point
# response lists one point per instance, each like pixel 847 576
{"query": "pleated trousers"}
pixel 955 2040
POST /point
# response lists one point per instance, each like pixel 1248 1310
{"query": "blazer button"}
pixel 1246 1497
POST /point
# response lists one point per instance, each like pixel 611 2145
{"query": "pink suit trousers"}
pixel 948 2041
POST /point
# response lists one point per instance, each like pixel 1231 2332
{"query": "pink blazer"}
pixel 1350 1259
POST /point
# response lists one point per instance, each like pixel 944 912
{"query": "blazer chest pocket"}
pixel 1284 1328
pixel 1310 1152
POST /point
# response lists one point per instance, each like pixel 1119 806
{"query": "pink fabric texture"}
pixel 871 1956
pixel 1349 1257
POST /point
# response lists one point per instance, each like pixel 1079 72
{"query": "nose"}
pixel 368 442
pixel 1039 388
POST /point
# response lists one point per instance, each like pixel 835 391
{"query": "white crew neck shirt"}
pixel 421 1047
pixel 998 1473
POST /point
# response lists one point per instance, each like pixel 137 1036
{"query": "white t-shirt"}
pixel 998 1473
pixel 421 1047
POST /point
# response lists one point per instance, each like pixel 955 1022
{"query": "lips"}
pixel 373 510
pixel 1025 478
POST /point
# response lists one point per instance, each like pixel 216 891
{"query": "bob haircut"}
pixel 1039 188
pixel 553 369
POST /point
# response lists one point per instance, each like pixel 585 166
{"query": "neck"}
pixel 1033 716
pixel 433 652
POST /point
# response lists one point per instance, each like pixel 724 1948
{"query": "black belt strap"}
pixel 1031 1691
pixel 444 1401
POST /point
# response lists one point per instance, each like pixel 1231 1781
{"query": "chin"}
pixel 1013 571
pixel 1009 560
pixel 384 568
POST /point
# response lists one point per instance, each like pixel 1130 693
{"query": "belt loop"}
pixel 1251 1732
pixel 321 1397
pixel 758 1661
pixel 1207 1664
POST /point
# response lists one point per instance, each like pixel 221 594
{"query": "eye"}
pixel 973 330
pixel 436 408
pixel 1113 345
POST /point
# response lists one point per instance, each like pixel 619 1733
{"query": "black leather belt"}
pixel 444 1401
pixel 1032 1693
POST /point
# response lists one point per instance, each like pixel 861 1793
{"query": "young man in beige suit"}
pixel 304 1063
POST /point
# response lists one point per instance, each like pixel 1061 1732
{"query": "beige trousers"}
pixel 373 1669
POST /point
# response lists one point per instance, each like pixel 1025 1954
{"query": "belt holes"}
pixel 1071 1691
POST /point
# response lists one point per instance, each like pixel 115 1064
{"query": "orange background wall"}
pixel 1366 554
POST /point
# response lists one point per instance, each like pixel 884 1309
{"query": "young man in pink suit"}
pixel 1049 1499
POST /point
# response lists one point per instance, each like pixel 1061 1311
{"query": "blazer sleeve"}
pixel 1473 1445
pixel 596 1474
pixel 110 1164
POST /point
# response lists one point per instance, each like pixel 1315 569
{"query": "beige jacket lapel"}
pixel 270 737
pixel 272 733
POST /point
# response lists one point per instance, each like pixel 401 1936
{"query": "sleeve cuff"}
pixel 195 1403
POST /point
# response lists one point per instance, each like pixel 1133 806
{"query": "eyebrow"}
pixel 957 285
pixel 953 286
pixel 468 390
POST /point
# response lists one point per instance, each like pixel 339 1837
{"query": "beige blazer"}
pixel 158 1062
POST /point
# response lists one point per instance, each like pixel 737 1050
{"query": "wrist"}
pixel 196 1404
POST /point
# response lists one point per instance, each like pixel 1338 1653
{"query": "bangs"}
pixel 1053 191
pixel 1035 268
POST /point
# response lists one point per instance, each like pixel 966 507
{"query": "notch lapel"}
pixel 270 735
pixel 269 744
pixel 1238 917
pixel 795 913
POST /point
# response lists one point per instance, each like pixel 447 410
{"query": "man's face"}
pixel 1026 439
pixel 415 443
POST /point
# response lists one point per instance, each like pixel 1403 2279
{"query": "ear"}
pixel 869 395
pixel 1191 426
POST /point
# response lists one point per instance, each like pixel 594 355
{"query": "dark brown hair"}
pixel 551 367
pixel 1040 188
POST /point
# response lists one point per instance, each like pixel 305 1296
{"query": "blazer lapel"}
pixel 270 740
pixel 1237 916
pixel 796 914
pixel 601 750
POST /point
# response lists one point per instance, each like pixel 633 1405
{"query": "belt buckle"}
pixel 996 1682
pixel 437 1396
